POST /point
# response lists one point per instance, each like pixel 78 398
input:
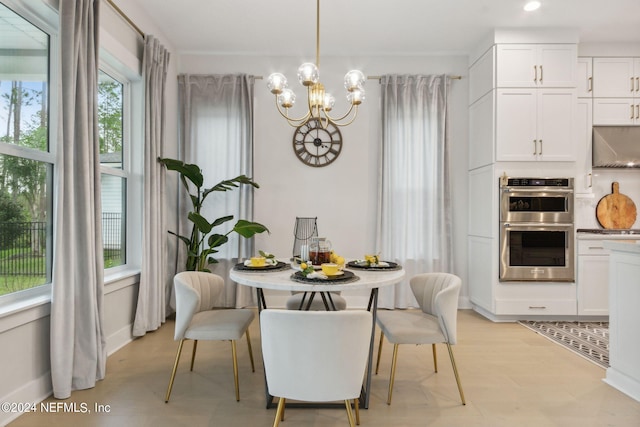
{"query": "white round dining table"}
pixel 281 279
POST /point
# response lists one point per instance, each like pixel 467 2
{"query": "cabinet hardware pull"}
pixel 631 112
pixel 541 75
pixel 590 84
pixel 590 180
pixel 596 247
pixel 539 307
pixel 632 86
pixel 535 147
pixel 637 111
pixel 540 141
pixel 637 84
pixel 535 73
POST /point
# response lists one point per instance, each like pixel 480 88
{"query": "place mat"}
pixel 278 267
pixel 361 265
pixel 347 277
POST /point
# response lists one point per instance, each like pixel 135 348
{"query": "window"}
pixel 26 157
pixel 113 167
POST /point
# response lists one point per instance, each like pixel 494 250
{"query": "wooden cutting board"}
pixel 616 210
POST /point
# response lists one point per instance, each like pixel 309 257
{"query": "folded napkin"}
pixel 316 275
pixel 382 264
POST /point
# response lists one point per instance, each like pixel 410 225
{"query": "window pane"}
pixel 113 220
pixel 24 220
pixel 110 120
pixel 24 82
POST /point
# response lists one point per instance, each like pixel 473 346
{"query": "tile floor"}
pixel 510 375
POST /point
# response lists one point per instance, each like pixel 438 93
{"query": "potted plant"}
pixel 202 245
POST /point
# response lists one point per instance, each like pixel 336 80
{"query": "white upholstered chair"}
pixel 315 356
pixel 196 318
pixel 435 322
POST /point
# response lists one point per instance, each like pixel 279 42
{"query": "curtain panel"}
pixel 155 280
pixel 414 212
pixel 78 347
pixel 216 129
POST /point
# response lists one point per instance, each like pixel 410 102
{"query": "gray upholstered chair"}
pixel 315 356
pixel 196 319
pixel 435 322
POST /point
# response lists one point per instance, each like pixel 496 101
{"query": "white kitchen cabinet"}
pixel 616 111
pixel 584 80
pixel 616 77
pixel 593 278
pixel 536 65
pixel 583 182
pixel 535 124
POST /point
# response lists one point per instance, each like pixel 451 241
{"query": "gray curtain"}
pixel 154 278
pixel 78 350
pixel 217 135
pixel 414 212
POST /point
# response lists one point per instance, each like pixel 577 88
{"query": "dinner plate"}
pixel 277 266
pixel 344 277
pixel 364 265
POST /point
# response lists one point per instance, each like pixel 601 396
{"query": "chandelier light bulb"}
pixel 276 83
pixel 329 102
pixel 356 96
pixel 287 98
pixel 353 80
pixel 308 74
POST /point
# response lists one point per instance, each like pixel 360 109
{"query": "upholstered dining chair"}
pixel 196 318
pixel 315 356
pixel 435 322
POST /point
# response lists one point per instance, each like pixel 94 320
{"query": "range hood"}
pixel 616 146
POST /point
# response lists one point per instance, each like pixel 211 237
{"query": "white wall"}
pixel 343 194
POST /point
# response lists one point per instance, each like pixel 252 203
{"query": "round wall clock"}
pixel 316 146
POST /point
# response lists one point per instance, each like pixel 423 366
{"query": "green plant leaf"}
pixel 201 222
pixel 249 229
pixel 221 220
pixel 216 240
pixel 192 172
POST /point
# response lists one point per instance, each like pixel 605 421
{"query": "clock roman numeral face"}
pixel 315 145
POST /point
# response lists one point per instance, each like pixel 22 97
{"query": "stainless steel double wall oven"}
pixel 536 229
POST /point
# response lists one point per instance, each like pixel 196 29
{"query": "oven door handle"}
pixel 516 190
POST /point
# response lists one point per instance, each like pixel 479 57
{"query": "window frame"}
pixel 46 20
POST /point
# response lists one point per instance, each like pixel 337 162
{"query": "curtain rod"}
pixel 378 77
pixel 126 18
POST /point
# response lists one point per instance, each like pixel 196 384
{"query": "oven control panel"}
pixel 539 182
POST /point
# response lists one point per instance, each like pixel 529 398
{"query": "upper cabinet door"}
pixel 614 78
pixel 585 77
pixel 536 65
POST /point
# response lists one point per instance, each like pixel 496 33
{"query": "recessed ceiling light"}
pixel 532 5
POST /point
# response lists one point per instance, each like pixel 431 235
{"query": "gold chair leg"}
pixel 235 369
pixel 347 404
pixel 455 371
pixel 393 372
pixel 435 357
pixel 356 403
pixel 173 373
pixel 379 351
pixel 253 367
pixel 279 412
pixel 193 354
pixel 284 407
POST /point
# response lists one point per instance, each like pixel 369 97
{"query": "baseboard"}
pixel 33 392
pixel 119 339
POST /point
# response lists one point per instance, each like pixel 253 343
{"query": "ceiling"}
pixel 375 27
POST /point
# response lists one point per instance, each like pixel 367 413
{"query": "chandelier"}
pixel 319 102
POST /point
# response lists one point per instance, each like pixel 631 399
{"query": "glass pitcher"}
pixel 319 250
